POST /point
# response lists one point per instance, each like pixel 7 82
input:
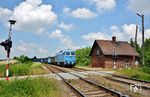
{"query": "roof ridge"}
pixel 109 40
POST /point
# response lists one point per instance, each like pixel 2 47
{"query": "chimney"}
pixel 114 39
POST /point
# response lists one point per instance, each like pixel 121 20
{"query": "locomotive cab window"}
pixel 67 53
pixel 72 53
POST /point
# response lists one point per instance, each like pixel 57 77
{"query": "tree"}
pixel 147 52
pixel 82 56
pixel 137 48
pixel 22 59
pixel 135 45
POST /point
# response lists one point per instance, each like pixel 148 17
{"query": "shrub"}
pixel 23 59
pixel 82 56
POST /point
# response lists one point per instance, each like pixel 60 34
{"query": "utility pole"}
pixel 135 44
pixel 142 16
pixel 114 58
pixel 135 37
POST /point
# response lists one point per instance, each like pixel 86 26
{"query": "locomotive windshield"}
pixel 72 53
pixel 67 53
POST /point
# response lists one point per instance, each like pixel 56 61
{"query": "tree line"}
pixel 146 51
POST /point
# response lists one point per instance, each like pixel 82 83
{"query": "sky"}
pixel 45 27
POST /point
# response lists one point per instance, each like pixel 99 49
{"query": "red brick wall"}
pixel 120 61
pixel 97 60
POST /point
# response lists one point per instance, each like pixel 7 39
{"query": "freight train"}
pixel 66 58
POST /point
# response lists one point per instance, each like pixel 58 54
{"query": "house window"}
pixel 97 52
pixel 126 64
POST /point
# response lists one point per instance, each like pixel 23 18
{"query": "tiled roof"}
pixel 121 48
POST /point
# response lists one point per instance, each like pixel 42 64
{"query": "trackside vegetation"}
pixel 30 87
pixel 137 73
pixel 23 66
pixel 82 56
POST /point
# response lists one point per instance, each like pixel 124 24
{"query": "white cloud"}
pixel 114 28
pixel 147 33
pixel 4 14
pixel 81 13
pixel 66 41
pixel 90 37
pixel 128 31
pixel 31 16
pixel 26 47
pixel 42 50
pixel 2 52
pixel 123 33
pixel 103 5
pixel 34 2
pixel 66 10
pixel 30 49
pixel 139 6
pixel 56 34
pixel 66 26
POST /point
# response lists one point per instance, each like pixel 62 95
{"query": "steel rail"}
pixel 129 83
pixel 131 78
pixel 74 89
pixel 140 81
pixel 113 92
pixel 144 81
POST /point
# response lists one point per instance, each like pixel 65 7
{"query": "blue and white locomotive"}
pixel 66 58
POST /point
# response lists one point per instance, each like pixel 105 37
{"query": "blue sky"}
pixel 45 27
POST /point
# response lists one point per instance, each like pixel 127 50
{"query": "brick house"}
pixel 113 54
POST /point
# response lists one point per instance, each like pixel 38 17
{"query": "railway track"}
pixel 123 79
pixel 75 92
pixel 90 89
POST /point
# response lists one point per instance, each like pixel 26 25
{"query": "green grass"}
pixel 19 69
pixel 141 73
pixel 30 87
pixel 2 69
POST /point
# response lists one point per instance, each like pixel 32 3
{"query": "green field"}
pixel 19 69
pixel 30 87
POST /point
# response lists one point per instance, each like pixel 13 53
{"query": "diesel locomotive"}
pixel 66 58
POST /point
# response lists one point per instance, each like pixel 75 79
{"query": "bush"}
pixel 145 69
pixel 82 56
pixel 23 59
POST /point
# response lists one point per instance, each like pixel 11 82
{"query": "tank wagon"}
pixel 66 58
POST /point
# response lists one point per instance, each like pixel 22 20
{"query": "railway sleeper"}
pixel 95 92
pixel 100 95
pixel 89 90
pixel 73 94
